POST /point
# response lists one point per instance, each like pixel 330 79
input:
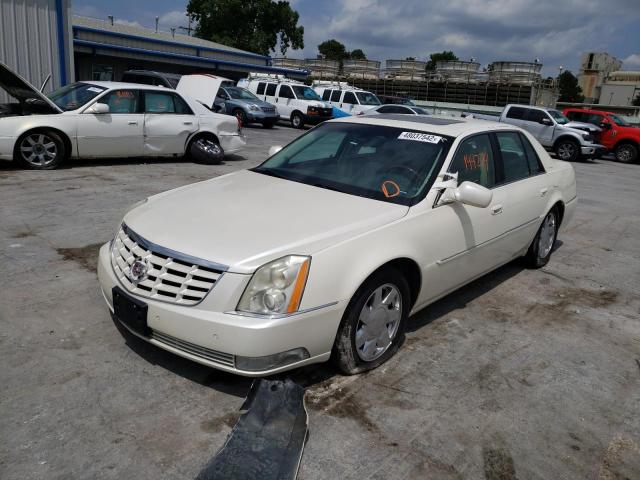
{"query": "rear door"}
pixel 118 133
pixel 168 123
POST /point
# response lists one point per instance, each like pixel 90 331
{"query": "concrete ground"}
pixel 522 374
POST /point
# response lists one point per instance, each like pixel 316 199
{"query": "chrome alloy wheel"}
pixel 378 322
pixel 624 153
pixel 38 149
pixel 566 150
pixel 547 235
pixel 209 147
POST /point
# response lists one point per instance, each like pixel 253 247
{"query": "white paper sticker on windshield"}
pixel 419 137
pixel 94 89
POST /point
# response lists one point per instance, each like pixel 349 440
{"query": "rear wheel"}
pixel 297 120
pixel 41 150
pixel 626 153
pixel 540 249
pixel 568 150
pixel 373 325
pixel 205 149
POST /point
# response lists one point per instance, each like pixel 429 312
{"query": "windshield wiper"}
pixel 326 187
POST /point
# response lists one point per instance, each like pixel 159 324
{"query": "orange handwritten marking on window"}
pixel 124 94
pixel 385 188
pixel 473 161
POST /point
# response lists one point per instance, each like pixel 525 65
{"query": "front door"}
pixel 534 125
pixel 118 133
pixel 168 123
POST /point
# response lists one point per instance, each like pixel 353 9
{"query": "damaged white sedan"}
pixel 108 119
pixel 327 248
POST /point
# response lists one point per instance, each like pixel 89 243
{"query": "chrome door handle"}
pixel 132 123
pixel 187 123
pixel 496 210
pixel 543 191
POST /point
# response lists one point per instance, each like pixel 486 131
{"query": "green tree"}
pixel 252 25
pixel 333 50
pixel 569 89
pixel 439 57
pixel 357 54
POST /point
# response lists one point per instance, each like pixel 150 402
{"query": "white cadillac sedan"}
pixel 108 119
pixel 327 248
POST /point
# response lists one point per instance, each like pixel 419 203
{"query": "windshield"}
pixel 558 117
pixel 384 163
pixel 619 121
pixel 71 97
pixel 240 94
pixel 305 93
pixel 367 98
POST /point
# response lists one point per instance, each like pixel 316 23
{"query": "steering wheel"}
pixel 402 170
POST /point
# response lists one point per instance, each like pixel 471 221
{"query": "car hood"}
pixel 241 101
pixel 589 127
pixel 246 219
pixel 23 91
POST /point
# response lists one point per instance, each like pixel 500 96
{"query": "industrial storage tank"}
pixel 365 69
pixel 514 72
pixel 457 70
pixel 405 70
pixel 321 68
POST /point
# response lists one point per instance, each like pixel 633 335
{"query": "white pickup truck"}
pixel 569 140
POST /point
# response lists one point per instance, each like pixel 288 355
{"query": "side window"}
pixel 514 159
pixel 222 95
pixel 349 97
pixel 181 106
pixel 595 119
pixel 271 89
pixel 335 95
pixel 516 112
pixel 535 166
pixel 474 161
pixel 260 90
pixel 326 95
pixel 121 101
pixel 285 92
pixel 577 116
pixel 386 109
pixel 536 115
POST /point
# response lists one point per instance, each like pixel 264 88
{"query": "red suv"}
pixel 617 134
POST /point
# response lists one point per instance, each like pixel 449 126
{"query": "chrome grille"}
pixel 196 350
pixel 168 278
pixel 268 109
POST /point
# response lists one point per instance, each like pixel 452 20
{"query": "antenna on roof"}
pixel 173 31
pixel 110 17
pixel 157 20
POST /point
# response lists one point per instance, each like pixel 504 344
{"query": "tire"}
pixel 205 150
pixel 40 150
pixel 567 150
pixel 352 353
pixel 297 120
pixel 541 248
pixel 241 116
pixel 626 152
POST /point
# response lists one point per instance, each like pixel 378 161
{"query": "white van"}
pixel 295 101
pixel 351 100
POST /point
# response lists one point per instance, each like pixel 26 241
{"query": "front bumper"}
pixel 593 149
pixel 232 143
pixel 212 334
pixel 260 116
pixel 315 119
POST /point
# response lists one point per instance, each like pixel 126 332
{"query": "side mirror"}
pixel 274 149
pixel 468 193
pixel 98 108
pixel 605 125
pixel 545 121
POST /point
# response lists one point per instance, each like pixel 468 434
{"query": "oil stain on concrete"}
pixel 86 257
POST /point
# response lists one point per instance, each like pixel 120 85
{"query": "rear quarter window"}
pixel 516 113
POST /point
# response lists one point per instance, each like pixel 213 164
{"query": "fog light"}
pixel 258 364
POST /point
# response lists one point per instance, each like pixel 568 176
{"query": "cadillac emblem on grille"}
pixel 138 270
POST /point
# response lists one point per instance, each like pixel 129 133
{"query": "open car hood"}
pixel 589 127
pixel 23 91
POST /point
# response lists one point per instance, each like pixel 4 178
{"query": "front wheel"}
pixel 373 324
pixel 43 150
pixel 297 120
pixel 626 153
pixel 568 150
pixel 540 249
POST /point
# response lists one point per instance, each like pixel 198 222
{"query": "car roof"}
pixel 137 86
pixel 442 125
pixel 588 110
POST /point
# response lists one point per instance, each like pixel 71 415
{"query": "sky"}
pixel 554 31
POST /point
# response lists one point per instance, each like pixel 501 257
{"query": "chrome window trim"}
pixel 144 243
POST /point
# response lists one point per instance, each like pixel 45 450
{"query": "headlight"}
pixel 587 137
pixel 276 287
pixel 254 108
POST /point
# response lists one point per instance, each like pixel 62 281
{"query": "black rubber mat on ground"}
pixel 269 437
